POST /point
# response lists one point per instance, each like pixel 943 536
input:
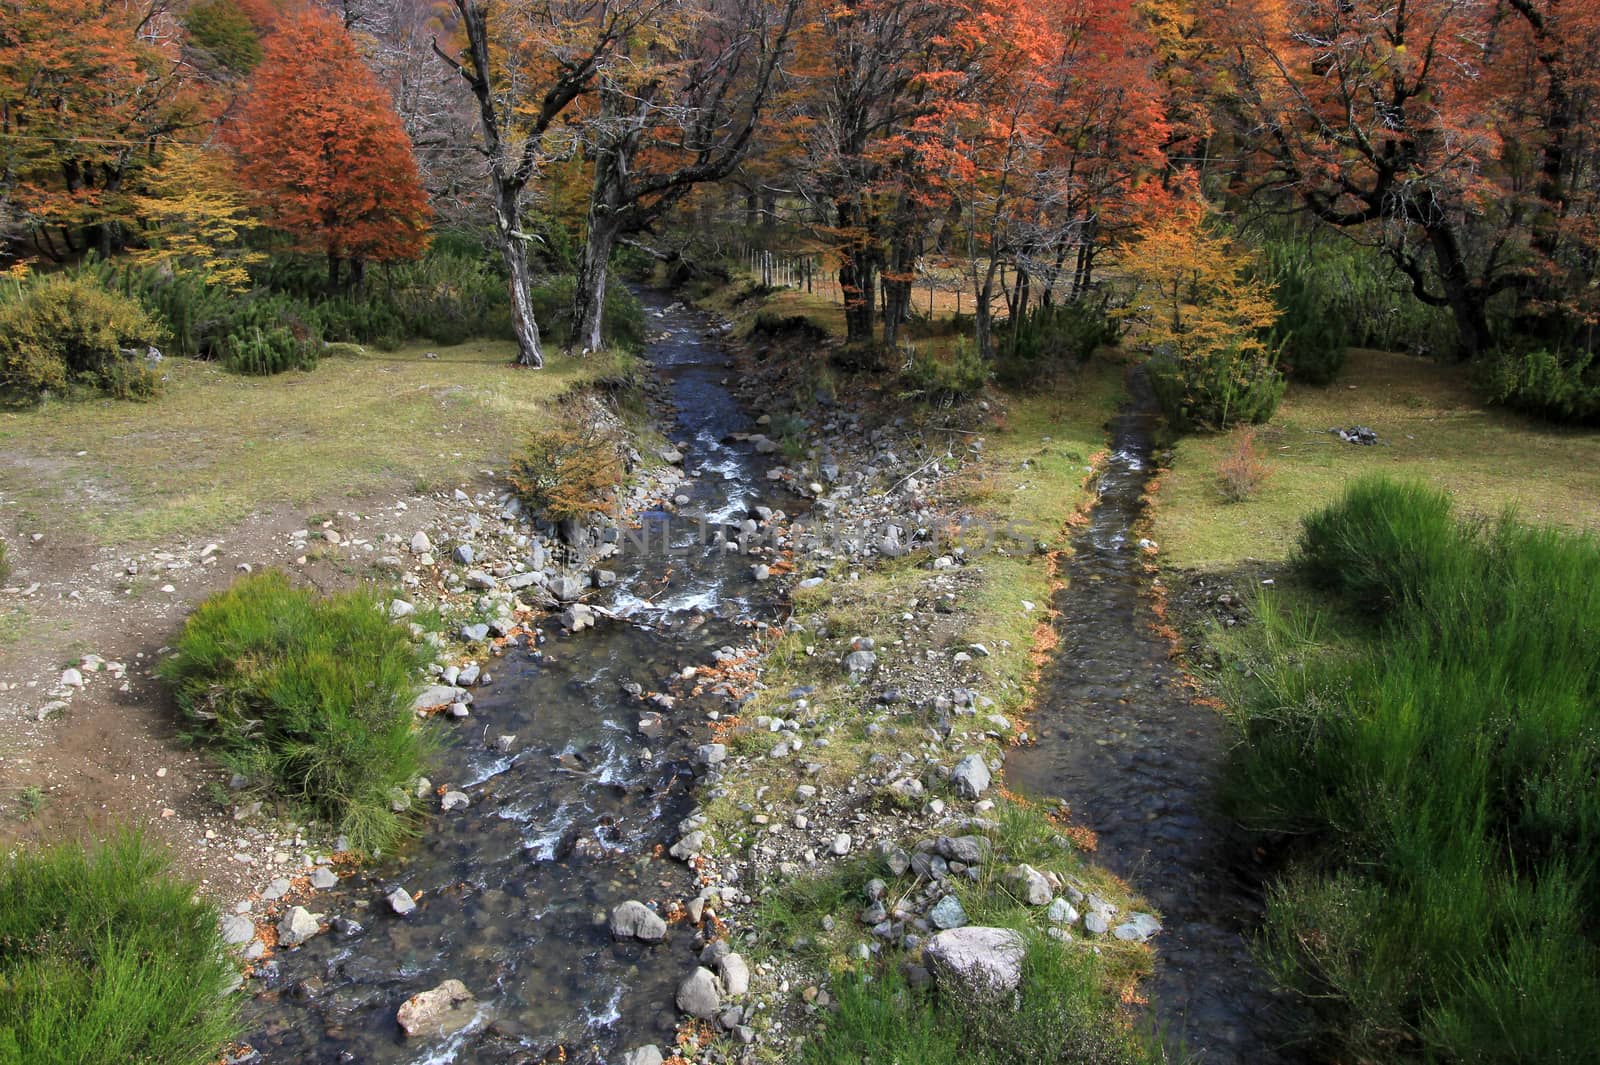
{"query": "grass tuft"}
pixel 106 958
pixel 308 697
pixel 1440 777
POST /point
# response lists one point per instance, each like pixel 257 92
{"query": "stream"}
pixel 514 889
pixel 1122 741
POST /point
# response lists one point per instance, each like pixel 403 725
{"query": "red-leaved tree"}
pixel 319 142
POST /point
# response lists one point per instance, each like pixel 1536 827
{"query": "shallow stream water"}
pixel 560 830
pixel 1122 740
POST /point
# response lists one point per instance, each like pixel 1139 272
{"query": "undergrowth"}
pixel 1439 781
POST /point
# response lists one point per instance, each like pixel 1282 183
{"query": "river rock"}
pixel 635 920
pixel 645 1055
pixel 475 633
pixel 454 800
pixel 1138 928
pixel 734 974
pixel 971 776
pixel 689 846
pixel 420 544
pixel 480 580
pixel 710 754
pixel 434 695
pixel 445 1009
pixel 985 960
pixel 463 555
pixel 948 913
pixel 323 878
pixel 566 588
pixel 577 617
pixel 401 902
pixel 297 926
pixel 671 456
pixel 1032 886
pixel 700 994
pixel 237 930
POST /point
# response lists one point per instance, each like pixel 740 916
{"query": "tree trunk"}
pixel 514 250
pixel 333 272
pixel 983 314
pixel 589 295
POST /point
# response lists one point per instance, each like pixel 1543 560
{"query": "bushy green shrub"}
pixel 1381 544
pixel 1439 776
pixel 1216 389
pixel 1563 386
pixel 308 697
pixel 1341 290
pixel 5 563
pixel 1034 348
pixel 224 32
pixel 1311 334
pixel 624 321
pixel 61 330
pixel 106 958
pixel 948 380
pixel 566 473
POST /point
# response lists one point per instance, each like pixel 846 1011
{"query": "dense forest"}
pixel 1142 602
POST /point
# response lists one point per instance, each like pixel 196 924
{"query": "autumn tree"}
pixel 319 143
pixel 525 63
pixel 89 89
pixel 196 217
pixel 675 108
pixel 1446 132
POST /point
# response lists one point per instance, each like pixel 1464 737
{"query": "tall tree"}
pixel 526 62
pixel 89 89
pixel 1443 131
pixel 318 141
pixel 676 108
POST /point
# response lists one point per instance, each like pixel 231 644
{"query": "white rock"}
pixel 979 958
pixel 445 1009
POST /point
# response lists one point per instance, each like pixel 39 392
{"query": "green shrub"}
pixel 624 325
pixel 106 958
pixel 1381 544
pixel 1311 334
pixel 60 330
pixel 1048 339
pixel 566 473
pixel 222 30
pixel 1439 776
pixel 1215 389
pixel 308 697
pixel 1563 386
pixel 958 377
pixel 5 563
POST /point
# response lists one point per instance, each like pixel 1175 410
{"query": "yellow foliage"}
pixel 565 473
pixel 198 218
pixel 1195 297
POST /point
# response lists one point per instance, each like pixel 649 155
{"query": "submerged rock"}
pixel 635 920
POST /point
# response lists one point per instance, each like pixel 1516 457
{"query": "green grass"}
pixel 308 697
pixel 1434 428
pixel 1437 771
pixel 107 959
pixel 215 447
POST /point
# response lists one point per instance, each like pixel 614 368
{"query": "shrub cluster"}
pixel 1563 386
pixel 59 331
pixel 939 381
pixel 1241 473
pixel 1038 345
pixel 107 958
pixel 566 474
pixel 308 697
pixel 1441 779
pixel 1217 388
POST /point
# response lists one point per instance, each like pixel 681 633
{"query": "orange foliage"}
pixel 319 142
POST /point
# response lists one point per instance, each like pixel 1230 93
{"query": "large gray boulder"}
pixel 971 776
pixel 645 1055
pixel 635 920
pixel 700 994
pixel 297 926
pixel 979 959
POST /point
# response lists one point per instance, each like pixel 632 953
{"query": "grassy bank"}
pixel 1430 425
pixel 215 446
pixel 1426 739
pixel 106 959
